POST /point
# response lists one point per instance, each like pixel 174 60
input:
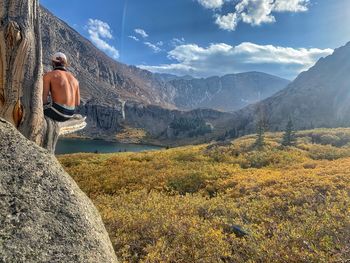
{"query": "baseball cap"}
pixel 58 57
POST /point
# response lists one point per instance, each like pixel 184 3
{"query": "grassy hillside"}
pixel 185 204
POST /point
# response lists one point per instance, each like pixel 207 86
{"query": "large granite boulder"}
pixel 44 216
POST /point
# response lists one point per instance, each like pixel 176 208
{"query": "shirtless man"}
pixel 61 90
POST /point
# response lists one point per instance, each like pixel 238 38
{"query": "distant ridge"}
pixel 110 82
pixel 117 96
pixel 228 93
pixel 319 97
pixel 101 78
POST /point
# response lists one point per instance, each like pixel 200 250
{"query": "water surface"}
pixel 66 146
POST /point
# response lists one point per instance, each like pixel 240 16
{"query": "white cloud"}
pixel 177 41
pixel 291 5
pixel 227 22
pixel 141 32
pixel 257 12
pixel 154 47
pixel 134 38
pixel 221 58
pixel 98 31
pixel 211 4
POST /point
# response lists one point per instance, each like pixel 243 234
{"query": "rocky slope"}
pixel 105 121
pixel 228 93
pixel 114 95
pixel 44 216
pixel 318 97
pixel 110 81
pixel 100 76
pixel 169 77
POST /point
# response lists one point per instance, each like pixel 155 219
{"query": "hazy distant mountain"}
pixel 227 93
pixel 116 96
pixel 108 81
pixel 169 77
pixel 319 97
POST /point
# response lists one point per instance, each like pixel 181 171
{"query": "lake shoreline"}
pixel 86 145
pixel 109 139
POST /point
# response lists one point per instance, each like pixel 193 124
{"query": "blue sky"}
pixel 211 37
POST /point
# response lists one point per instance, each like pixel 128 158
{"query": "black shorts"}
pixel 57 112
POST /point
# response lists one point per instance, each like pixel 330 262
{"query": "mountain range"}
pixel 108 80
pixel 228 93
pixel 318 97
pixel 101 78
pixel 116 96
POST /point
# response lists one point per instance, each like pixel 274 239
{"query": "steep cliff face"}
pixel 145 116
pixel 227 93
pixel 318 97
pixel 116 95
pixel 105 121
pixel 100 76
pixel 44 216
pixel 109 81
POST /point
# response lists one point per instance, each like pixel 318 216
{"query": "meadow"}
pixel 225 201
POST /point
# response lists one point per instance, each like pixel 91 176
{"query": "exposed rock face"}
pixel 228 93
pixel 156 120
pixel 44 216
pixel 100 76
pixel 105 121
pixel 318 97
pixel 108 81
pixel 169 77
pixel 115 94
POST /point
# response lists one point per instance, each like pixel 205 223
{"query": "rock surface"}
pixel 317 98
pixel 113 92
pixel 105 121
pixel 110 81
pixel 228 93
pixel 100 76
pixel 44 216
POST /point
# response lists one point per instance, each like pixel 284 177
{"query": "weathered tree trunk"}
pixel 21 75
pixel 21 68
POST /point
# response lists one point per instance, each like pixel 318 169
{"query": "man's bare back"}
pixel 63 86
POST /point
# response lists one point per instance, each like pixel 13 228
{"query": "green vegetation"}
pixel 260 139
pixel 131 135
pixel 260 132
pixel 289 135
pixel 182 204
pixel 193 127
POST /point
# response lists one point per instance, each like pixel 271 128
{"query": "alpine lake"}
pixel 70 146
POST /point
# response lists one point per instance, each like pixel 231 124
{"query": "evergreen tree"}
pixel 289 134
pixel 260 130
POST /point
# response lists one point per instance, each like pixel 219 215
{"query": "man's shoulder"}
pixel 48 74
pixel 71 75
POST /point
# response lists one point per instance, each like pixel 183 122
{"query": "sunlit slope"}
pixel 182 205
pixel 318 97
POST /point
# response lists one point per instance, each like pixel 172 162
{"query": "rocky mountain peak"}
pixel 318 97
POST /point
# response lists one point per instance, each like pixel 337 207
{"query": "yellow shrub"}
pixel 179 205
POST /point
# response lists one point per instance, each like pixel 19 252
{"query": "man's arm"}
pixel 77 95
pixel 46 88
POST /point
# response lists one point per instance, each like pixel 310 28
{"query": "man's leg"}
pixel 54 116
